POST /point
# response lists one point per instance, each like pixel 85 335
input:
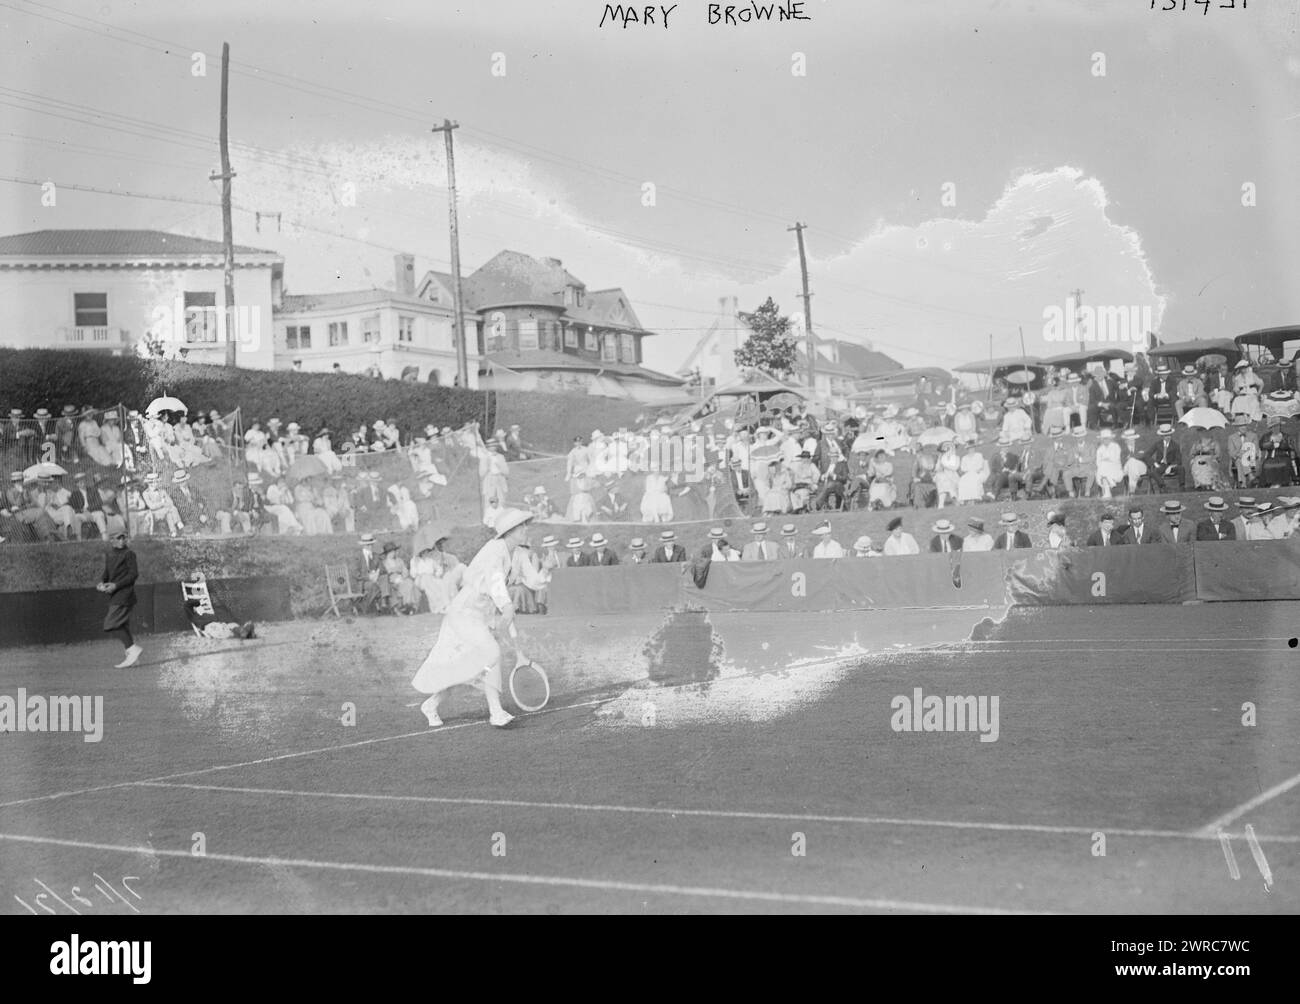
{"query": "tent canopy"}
pixel 1003 362
pixel 1192 350
pixel 899 378
pixel 1073 359
pixel 1272 339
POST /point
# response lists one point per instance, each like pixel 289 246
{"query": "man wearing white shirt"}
pixel 899 541
pixel 722 551
pixel 826 547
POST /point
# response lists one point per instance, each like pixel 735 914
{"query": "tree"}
pixel 770 346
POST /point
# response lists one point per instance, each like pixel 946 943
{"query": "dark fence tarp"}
pixel 1248 570
pixel 1149 573
pixel 60 616
pixel 614 589
pixel 925 580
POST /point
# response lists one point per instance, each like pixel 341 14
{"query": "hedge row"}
pixel 35 378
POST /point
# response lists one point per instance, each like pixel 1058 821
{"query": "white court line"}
pixel 281 756
pixel 1228 818
pixel 1091 649
pixel 599 885
pixel 707 813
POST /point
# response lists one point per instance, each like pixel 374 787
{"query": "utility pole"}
pixel 1077 296
pixel 227 228
pixel 811 349
pixel 462 362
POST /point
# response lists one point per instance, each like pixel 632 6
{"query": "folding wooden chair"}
pixel 338 580
pixel 197 591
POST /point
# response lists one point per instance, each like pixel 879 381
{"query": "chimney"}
pixel 404 269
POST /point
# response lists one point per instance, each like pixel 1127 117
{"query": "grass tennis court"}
pixel 1125 722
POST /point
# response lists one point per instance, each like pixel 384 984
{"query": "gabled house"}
pixel 109 290
pixel 403 333
pixel 541 328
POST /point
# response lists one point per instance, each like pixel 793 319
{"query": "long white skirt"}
pixel 465 650
pixel 656 507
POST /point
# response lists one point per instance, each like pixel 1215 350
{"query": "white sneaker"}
pixel 430 709
pixel 500 719
pixel 132 654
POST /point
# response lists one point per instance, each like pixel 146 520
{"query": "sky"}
pixel 961 166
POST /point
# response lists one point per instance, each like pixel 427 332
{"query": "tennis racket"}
pixel 529 686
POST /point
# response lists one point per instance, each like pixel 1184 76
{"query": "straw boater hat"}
pixel 788 530
pixel 574 544
pixel 15 413
pixel 1172 508
pixel 637 544
pixel 16 476
pixel 254 479
pixel 668 536
pixel 1073 377
pixel 550 540
pixel 822 528
pixel 508 519
pixel 1129 434
pixel 152 478
pixel 180 477
pixel 598 540
pixel 1245 501
pixel 112 416
pixel 1189 370
pixel 1242 364
pixel 758 529
pixel 42 413
pixel 367 539
pixel 717 533
pixel 1078 432
pixel 1056 431
pixel 69 409
pixel 1216 504
pixel 1164 429
pixel 1009 519
pixel 1106 434
pixel 942 526
pixel 1162 369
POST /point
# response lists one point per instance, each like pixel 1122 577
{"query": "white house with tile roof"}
pixel 541 328
pixel 107 290
pixel 407 332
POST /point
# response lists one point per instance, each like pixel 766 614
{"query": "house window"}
pixel 627 348
pixel 338 333
pixel 297 337
pixel 577 296
pixel 370 329
pixel 90 310
pixel 589 341
pixel 609 349
pixel 527 335
pixel 200 317
pixel 570 338
pixel 405 329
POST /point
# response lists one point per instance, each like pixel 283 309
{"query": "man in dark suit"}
pixel 120 572
pixel 370 575
pixel 577 557
pixel 1215 527
pixel 1140 531
pixel 1162 393
pixel 1175 530
pixel 1005 465
pixel 790 546
pixel 601 553
pixel 1009 536
pixel 944 540
pixel 1102 393
pixel 86 503
pixel 191 508
pixel 669 550
pixel 1165 461
pixel 1105 535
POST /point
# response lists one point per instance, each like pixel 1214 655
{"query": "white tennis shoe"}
pixel 500 719
pixel 132 655
pixel 430 709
